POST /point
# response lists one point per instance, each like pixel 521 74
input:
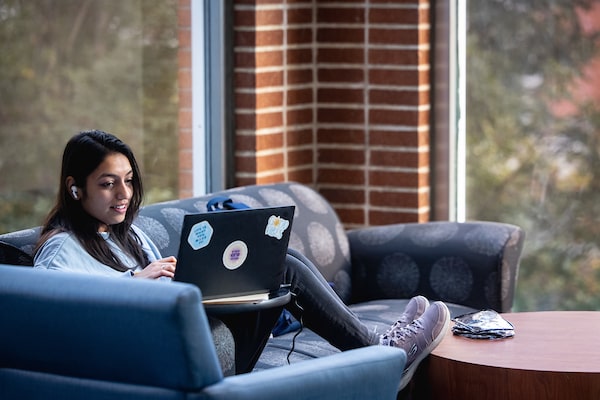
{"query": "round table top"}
pixel 565 341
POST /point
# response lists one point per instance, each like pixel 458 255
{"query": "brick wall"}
pixel 275 92
pixel 336 95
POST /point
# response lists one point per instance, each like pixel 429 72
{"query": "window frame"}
pixel 212 110
pixel 448 113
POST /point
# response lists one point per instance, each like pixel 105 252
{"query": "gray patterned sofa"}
pixel 470 266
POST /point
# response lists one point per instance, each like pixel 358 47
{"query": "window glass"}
pixel 533 140
pixel 71 65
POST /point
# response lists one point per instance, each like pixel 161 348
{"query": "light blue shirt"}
pixel 63 252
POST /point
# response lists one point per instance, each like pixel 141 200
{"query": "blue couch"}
pixel 375 270
pixel 71 336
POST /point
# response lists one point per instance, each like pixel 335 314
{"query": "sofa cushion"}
pixel 25 239
pixel 378 315
pixel 316 232
pixel 12 255
pixel 470 263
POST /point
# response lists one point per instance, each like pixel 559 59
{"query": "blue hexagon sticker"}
pixel 200 235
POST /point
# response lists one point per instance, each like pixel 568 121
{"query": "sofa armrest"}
pixel 473 264
pixel 105 329
pixel 367 373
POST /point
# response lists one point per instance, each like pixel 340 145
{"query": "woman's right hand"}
pixel 163 267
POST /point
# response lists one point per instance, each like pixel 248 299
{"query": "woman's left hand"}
pixel 163 267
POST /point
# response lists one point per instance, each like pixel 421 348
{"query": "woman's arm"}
pixel 63 252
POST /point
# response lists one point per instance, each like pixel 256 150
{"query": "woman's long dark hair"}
pixel 83 154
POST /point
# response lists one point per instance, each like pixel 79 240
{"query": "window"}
pixel 69 65
pixel 533 140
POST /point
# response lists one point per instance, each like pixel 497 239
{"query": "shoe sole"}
pixel 410 371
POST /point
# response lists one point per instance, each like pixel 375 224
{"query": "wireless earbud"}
pixel 74 192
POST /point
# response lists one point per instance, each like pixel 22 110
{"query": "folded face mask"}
pixel 485 324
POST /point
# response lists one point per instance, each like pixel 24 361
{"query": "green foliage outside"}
pixel 70 65
pixel 529 164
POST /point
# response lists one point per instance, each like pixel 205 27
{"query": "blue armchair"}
pixel 72 336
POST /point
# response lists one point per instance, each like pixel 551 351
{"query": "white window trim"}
pixel 460 109
pixel 210 119
pixel 449 113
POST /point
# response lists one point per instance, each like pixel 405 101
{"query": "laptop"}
pixel 235 255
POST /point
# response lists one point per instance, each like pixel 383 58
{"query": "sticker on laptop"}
pixel 200 235
pixel 235 255
pixel 276 226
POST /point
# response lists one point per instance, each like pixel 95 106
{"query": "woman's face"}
pixel 108 190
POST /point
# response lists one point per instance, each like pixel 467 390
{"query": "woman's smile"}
pixel 120 208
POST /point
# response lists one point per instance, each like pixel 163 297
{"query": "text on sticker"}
pixel 200 235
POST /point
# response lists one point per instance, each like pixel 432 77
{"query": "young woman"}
pixel 90 230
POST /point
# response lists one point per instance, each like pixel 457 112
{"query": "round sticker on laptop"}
pixel 235 255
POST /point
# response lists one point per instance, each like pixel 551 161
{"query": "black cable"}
pixel 299 330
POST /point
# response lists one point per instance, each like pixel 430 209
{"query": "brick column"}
pixel 333 94
pixel 274 92
pixel 373 110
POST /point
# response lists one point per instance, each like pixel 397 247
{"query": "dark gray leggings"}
pixel 322 311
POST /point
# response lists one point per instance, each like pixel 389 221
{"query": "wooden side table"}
pixel 553 355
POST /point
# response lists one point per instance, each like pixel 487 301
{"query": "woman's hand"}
pixel 163 267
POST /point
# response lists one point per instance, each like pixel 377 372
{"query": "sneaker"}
pixel 414 309
pixel 419 337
